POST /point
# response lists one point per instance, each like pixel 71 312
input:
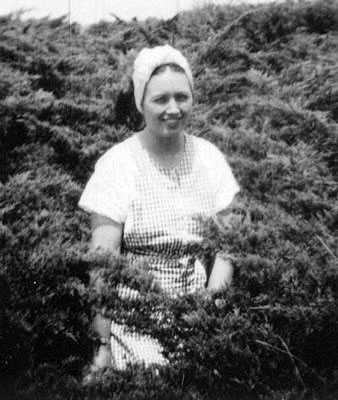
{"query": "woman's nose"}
pixel 173 107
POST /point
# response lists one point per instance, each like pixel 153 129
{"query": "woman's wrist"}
pixel 104 341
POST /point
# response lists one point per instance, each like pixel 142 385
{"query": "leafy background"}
pixel 266 82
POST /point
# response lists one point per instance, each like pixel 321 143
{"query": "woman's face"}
pixel 167 103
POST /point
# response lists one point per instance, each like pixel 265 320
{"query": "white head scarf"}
pixel 148 60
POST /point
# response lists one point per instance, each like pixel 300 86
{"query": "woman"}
pixel 147 195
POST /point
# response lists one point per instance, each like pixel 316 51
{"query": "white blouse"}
pixel 162 209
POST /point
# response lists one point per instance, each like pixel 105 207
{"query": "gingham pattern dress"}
pixel 162 211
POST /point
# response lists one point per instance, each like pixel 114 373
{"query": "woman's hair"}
pixel 161 68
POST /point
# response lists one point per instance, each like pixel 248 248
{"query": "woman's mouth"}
pixel 171 119
pixel 172 122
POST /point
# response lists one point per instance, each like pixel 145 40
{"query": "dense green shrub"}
pixel 266 95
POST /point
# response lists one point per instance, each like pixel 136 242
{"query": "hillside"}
pixel 266 80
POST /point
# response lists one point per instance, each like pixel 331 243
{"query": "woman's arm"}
pixel 106 237
pixel 222 268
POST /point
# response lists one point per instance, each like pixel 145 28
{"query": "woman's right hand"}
pixel 102 358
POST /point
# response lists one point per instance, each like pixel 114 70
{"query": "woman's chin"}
pixel 172 133
pixel 173 128
pixel 167 131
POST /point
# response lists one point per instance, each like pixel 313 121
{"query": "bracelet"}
pixel 104 341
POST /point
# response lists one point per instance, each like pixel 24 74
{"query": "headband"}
pixel 148 60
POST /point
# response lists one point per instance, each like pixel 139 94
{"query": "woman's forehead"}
pixel 168 80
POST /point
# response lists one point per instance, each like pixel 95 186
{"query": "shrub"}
pixel 266 97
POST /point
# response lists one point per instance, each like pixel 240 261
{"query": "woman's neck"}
pixel 162 145
pixel 167 151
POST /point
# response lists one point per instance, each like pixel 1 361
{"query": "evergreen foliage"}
pixel 267 96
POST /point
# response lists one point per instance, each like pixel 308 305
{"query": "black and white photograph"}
pixel 169 200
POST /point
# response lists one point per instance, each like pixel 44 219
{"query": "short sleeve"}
pixel 108 190
pixel 223 183
pixel 226 186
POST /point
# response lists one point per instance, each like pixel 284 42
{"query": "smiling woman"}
pixel 149 195
pixel 166 107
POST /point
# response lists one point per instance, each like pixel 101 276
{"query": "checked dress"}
pixel 162 211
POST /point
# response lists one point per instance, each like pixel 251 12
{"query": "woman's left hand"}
pixel 221 274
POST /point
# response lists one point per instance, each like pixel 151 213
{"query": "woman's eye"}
pixel 182 97
pixel 160 100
